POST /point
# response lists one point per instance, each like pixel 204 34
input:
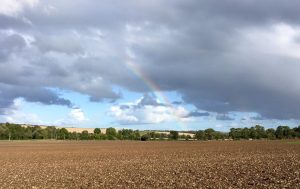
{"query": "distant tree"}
pixel 51 132
pixel 234 134
pixel 270 133
pixel 293 133
pixel 158 135
pixel 97 131
pixel 36 132
pixel 297 131
pixel 96 136
pixel 253 133
pixel 44 134
pixel 181 137
pixel 219 135
pixel 136 135
pixel 4 131
pixel 200 135
pixel 210 133
pixel 128 134
pixel 245 133
pixel 174 135
pixel 152 135
pixel 145 137
pixel 260 132
pixel 63 133
pixel 74 136
pixel 111 131
pixel 9 130
pixel 103 136
pixel 188 137
pixel 283 132
pixel 84 135
pixel 163 136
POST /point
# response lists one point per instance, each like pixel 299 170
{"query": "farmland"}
pixel 151 164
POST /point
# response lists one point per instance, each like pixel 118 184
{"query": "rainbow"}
pixel 154 88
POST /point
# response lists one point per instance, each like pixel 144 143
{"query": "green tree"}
pixel 51 132
pixel 4 131
pixel 245 133
pixel 74 136
pixel 200 135
pixel 188 137
pixel 97 131
pixel 145 137
pixel 270 133
pixel 152 135
pixel 9 130
pixel 44 134
pixel 283 132
pixel 111 133
pixel 260 132
pixel 84 135
pixel 253 133
pixel 210 133
pixel 297 131
pixel 174 135
pixel 63 133
pixel 36 132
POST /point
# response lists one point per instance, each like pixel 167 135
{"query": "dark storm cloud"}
pixel 8 93
pixel 216 54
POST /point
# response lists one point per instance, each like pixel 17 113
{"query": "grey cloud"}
pixel 4 104
pixel 124 107
pixel 255 11
pixel 149 100
pixel 197 114
pixel 297 39
pixel 224 117
pixel 177 102
pixel 7 22
pixel 10 44
pixel 257 118
pixel 146 100
pixel 44 96
pixel 58 44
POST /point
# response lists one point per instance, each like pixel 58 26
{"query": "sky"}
pixel 160 64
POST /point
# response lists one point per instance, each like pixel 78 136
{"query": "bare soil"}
pixel 135 164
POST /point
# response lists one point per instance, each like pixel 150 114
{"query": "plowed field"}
pixel 129 164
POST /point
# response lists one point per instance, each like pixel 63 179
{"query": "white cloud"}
pixel 15 114
pixel 14 7
pixel 279 39
pixel 148 112
pixel 77 114
pixel 75 117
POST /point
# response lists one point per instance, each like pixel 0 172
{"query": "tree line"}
pixel 9 131
pixel 259 132
pixel 256 132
